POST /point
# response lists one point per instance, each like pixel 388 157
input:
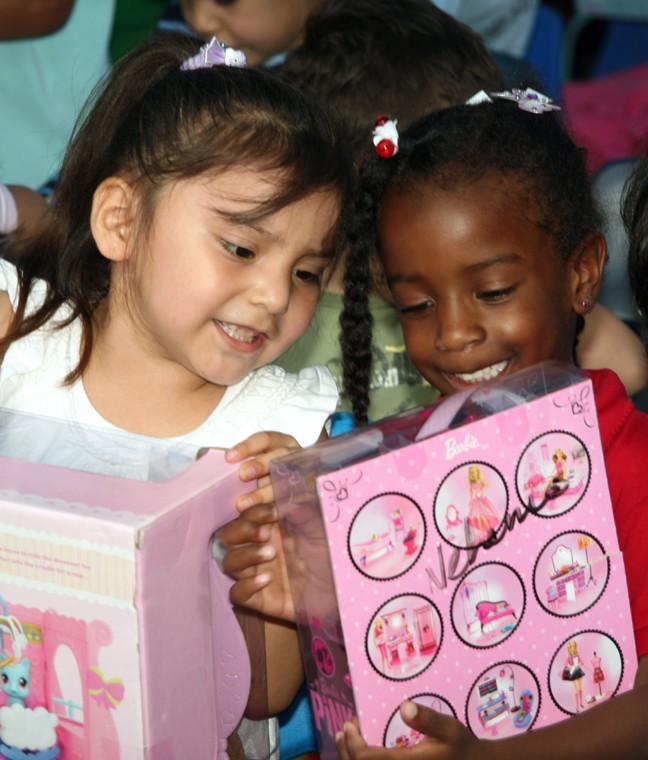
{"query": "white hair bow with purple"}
pixel 215 53
pixel 528 100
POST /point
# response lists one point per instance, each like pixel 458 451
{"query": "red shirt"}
pixel 624 434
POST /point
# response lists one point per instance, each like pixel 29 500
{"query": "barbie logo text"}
pixel 454 447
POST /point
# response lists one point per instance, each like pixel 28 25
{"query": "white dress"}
pixel 73 433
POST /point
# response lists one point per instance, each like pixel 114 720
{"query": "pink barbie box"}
pixel 464 557
pixel 117 638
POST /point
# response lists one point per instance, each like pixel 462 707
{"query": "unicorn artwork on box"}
pixel 15 678
pixel 23 732
pixel 55 702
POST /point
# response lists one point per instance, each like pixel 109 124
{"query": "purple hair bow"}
pixel 528 100
pixel 215 53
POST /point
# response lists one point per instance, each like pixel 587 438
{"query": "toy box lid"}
pixel 99 474
pixel 118 572
pixel 399 430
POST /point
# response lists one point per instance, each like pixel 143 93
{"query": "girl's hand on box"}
pixel 259 450
pixel 254 556
pixel 445 739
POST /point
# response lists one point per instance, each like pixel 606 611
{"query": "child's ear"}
pixel 111 218
pixel 586 266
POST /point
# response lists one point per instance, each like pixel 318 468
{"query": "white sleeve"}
pixel 273 400
pixel 9 281
pixel 305 409
pixel 8 210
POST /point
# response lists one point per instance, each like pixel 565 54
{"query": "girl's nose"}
pixel 272 292
pixel 205 19
pixel 457 327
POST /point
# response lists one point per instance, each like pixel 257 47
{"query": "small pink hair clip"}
pixel 385 137
pixel 215 53
pixel 528 100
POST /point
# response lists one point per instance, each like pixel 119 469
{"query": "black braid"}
pixel 360 276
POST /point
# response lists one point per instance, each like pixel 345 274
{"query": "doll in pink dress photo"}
pixel 559 482
pixel 483 518
pixel 559 459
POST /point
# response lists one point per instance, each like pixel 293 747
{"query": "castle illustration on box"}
pixel 52 690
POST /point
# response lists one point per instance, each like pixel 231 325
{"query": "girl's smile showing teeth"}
pixel 477 291
pixel 240 334
pixel 481 376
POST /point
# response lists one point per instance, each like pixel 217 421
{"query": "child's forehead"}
pixel 456 182
pixel 456 232
pixel 243 185
pixel 489 200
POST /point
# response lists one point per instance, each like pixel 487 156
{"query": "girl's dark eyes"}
pixel 416 308
pixel 240 252
pixel 490 296
pixel 309 278
pixel 237 250
pixel 496 295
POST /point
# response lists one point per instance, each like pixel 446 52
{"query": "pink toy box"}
pixel 465 557
pixel 117 638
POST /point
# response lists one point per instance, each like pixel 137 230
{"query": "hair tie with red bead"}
pixel 385 137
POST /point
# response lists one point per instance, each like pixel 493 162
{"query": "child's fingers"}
pixel 440 728
pixel 349 742
pixel 261 443
pixel 446 738
pixel 259 466
pixel 340 745
pixel 257 592
pixel 244 591
pixel 243 560
pixel 254 525
pixel 423 719
pixel 264 495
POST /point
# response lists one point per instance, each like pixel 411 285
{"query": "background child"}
pixel 488 235
pixel 264 29
pixel 406 57
pixel 197 211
